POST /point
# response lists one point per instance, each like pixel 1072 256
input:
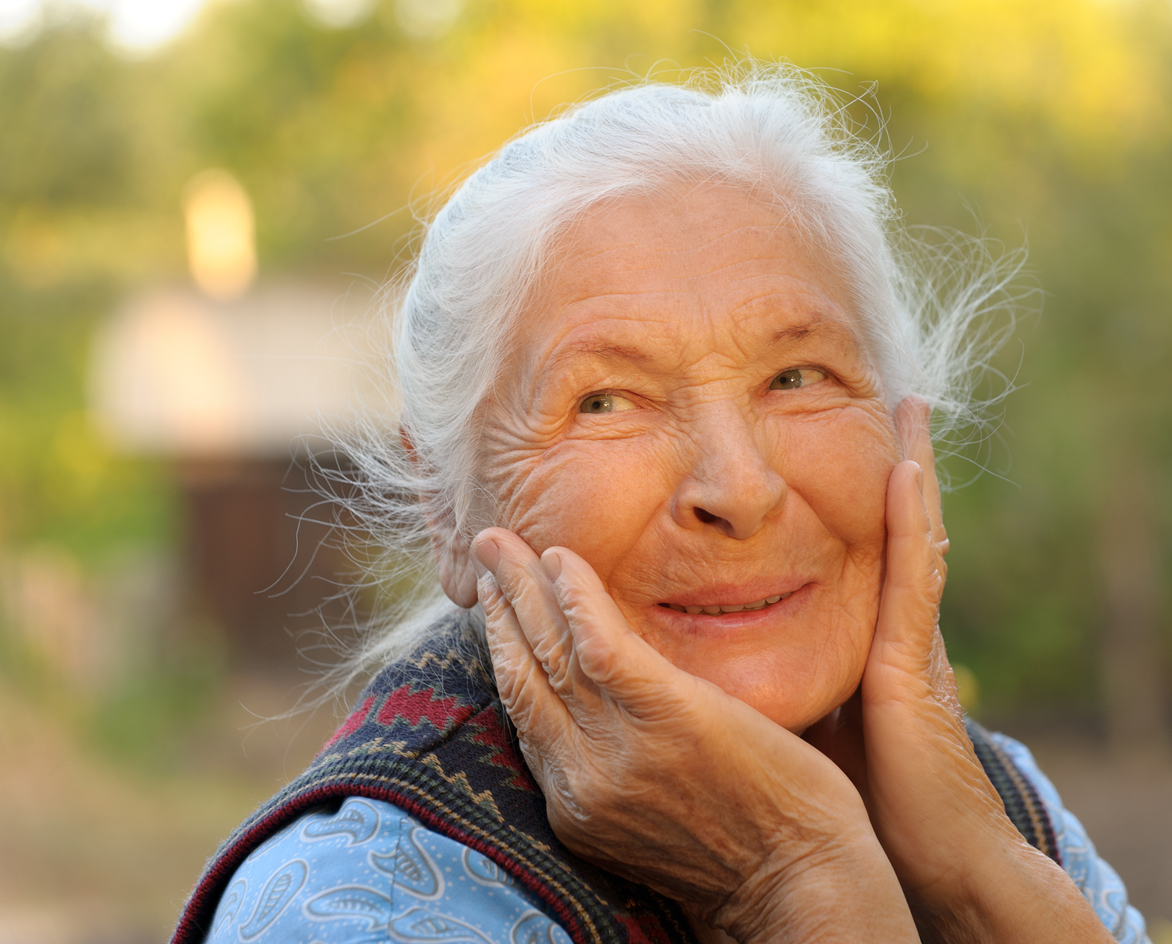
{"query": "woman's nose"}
pixel 732 484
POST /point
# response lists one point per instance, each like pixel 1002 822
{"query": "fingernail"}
pixel 551 560
pixel 487 553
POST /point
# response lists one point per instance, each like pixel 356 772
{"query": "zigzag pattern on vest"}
pixel 430 736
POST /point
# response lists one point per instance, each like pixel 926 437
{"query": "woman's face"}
pixel 690 411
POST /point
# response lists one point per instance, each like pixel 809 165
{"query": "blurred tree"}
pixel 67 231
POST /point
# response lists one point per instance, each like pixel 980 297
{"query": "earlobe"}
pixel 453 556
pixel 453 559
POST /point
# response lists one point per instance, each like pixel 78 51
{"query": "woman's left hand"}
pixel 968 873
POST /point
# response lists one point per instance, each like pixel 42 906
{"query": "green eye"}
pixel 605 403
pixel 796 377
pixel 598 403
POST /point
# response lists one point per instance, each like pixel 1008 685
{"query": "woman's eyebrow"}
pixel 599 350
pixel 795 332
pixel 827 326
pixel 606 350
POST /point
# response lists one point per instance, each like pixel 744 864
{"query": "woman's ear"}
pixel 453 556
pixel 453 559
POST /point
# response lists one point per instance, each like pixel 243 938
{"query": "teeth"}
pixel 737 608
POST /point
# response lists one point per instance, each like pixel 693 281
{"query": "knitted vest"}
pixel 429 735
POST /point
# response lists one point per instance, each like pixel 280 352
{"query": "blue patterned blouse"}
pixel 370 872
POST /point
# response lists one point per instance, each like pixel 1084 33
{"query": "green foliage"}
pixel 62 94
pixel 148 720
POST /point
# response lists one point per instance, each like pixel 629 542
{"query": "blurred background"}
pixel 198 201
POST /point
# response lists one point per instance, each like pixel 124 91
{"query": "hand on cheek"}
pixel 905 712
pixel 965 868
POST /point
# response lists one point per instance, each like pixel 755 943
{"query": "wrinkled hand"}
pixel 917 773
pixel 664 778
pixel 967 871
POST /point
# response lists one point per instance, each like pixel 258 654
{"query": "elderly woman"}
pixel 665 383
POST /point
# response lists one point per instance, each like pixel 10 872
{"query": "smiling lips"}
pixel 717 609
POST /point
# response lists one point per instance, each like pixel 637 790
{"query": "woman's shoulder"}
pixel 341 873
pixel 1100 883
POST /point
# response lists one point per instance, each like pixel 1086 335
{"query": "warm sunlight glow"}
pixel 426 19
pixel 137 26
pixel 339 14
pixel 221 240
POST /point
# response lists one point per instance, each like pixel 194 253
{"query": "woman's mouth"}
pixel 715 609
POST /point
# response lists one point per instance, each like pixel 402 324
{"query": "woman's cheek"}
pixel 845 476
pixel 591 497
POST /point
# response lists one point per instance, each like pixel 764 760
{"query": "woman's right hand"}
pixel 662 777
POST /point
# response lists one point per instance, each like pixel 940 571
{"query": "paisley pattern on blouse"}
pixel 369 872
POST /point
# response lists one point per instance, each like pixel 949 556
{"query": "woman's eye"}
pixel 796 377
pixel 605 403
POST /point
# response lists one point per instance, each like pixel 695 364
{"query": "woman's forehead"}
pixel 708 267
pixel 702 226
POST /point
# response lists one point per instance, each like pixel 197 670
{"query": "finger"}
pixel 615 658
pixel 909 606
pixel 524 688
pixel 526 586
pixel 913 422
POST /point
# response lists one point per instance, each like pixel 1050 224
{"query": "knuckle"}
pixel 575 602
pixel 559 674
pixel 513 685
pixel 490 593
pixel 599 662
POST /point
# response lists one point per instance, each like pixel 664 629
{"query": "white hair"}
pixel 775 132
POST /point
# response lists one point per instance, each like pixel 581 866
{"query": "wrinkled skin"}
pixel 690 420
